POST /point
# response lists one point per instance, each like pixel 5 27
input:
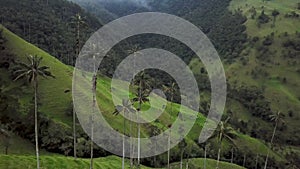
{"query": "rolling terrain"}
pixel 259 43
pixel 51 102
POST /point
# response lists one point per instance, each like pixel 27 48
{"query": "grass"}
pixel 198 163
pixel 290 25
pixel 55 101
pixel 283 96
pixel 59 162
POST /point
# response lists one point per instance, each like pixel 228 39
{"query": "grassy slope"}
pixel 282 96
pixel 289 25
pixel 55 101
pixel 198 163
pixel 59 162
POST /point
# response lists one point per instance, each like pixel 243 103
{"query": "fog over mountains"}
pixel 143 3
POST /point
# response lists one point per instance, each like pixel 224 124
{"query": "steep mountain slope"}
pixel 259 43
pixel 271 59
pixel 48 24
pixel 55 100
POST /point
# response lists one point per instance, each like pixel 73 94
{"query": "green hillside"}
pixel 56 100
pixel 61 162
pixel 269 61
pixel 259 43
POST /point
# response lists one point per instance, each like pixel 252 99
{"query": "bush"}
pixel 263 18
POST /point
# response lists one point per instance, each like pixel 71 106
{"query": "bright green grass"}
pixel 210 164
pixel 282 24
pixel 60 162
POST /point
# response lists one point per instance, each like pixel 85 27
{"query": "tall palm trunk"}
pixel 93 112
pixel 123 158
pixel 187 164
pixel 74 115
pixel 74 133
pixel 92 144
pixel 231 155
pixel 92 132
pixel 139 142
pixel 274 131
pixel 219 154
pixel 244 161
pixel 155 149
pixel 139 125
pixel 204 157
pixel 256 161
pixel 131 148
pixel 181 160
pixel 36 122
pixel 169 141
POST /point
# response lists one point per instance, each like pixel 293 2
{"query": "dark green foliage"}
pixel 6 57
pixel 268 40
pixel 294 44
pixel 292 14
pixel 224 28
pixel 263 18
pixel 46 26
pixel 253 99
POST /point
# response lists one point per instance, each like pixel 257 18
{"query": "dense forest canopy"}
pixel 47 24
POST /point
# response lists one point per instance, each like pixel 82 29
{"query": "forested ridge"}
pixel 48 24
pixel 262 72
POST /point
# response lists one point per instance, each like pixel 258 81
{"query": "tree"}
pixel 94 89
pixel 223 132
pixel 125 108
pixel 32 70
pixel 278 117
pixel 263 18
pixel 5 135
pixel 77 20
pixel 172 91
pixel 142 97
pixel 182 145
pixel 154 132
pixel 275 13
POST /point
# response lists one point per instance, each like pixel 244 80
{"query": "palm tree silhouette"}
pixel 125 108
pixel 78 21
pixel 32 70
pixel 142 97
pixel 278 117
pixel 224 131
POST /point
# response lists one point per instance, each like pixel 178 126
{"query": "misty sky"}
pixel 141 2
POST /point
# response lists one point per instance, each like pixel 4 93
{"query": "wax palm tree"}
pixel 275 13
pixel 135 51
pixel 154 132
pixel 125 108
pixel 77 21
pixel 31 71
pixel 182 145
pixel 142 97
pixel 5 138
pixel 223 132
pixel 94 89
pixel 278 117
pixel 172 91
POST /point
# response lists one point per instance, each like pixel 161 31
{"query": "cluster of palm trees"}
pixel 33 70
